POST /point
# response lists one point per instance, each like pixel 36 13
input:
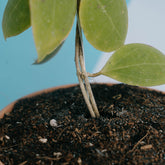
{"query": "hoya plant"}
pixel 104 24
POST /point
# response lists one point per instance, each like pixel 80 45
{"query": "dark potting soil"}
pixel 56 128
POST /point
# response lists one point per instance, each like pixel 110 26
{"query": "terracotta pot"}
pixel 9 108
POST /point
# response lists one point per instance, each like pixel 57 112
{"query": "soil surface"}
pixel 56 128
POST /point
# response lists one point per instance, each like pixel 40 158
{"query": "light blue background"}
pixel 18 77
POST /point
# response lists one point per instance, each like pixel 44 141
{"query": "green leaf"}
pixel 104 23
pixel 52 21
pixel 16 18
pixel 51 55
pixel 136 64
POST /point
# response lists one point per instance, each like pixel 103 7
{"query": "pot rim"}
pixel 9 107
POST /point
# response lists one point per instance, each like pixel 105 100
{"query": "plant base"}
pixel 131 129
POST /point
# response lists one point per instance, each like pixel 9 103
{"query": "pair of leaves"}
pixel 104 22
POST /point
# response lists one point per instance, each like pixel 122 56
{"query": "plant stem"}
pixel 82 86
pixel 94 74
pixel 82 74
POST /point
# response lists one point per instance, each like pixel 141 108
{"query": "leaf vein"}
pixel 12 11
pixel 109 17
pixel 137 65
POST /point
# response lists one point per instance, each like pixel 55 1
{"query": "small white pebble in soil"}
pixel 43 140
pixel 37 155
pixel 18 122
pixel 7 137
pixel 90 144
pixel 53 123
pixel 57 154
pixel 142 142
pixel 146 147
pixel 79 161
pixel 99 152
pixel 104 150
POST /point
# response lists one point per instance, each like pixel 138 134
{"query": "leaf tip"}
pixel 36 62
pixel 4 35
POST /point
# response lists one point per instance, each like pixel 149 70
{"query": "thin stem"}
pixel 81 71
pixel 88 87
pixel 77 52
pixel 94 74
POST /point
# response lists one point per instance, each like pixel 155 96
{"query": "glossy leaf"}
pixel 52 21
pixel 16 18
pixel 104 23
pixel 136 64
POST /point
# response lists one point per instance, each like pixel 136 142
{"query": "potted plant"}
pixel 126 126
